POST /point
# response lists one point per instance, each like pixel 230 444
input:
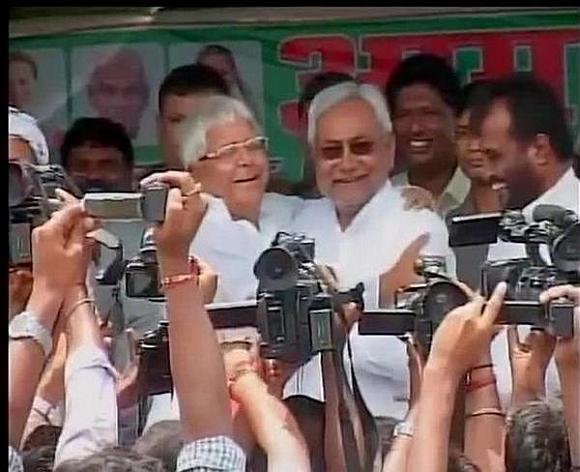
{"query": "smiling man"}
pixel 423 94
pixel 524 134
pixel 364 232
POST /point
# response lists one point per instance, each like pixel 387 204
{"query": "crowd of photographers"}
pixel 450 380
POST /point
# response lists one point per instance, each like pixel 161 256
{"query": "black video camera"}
pixel 295 304
pixel 154 366
pixel 419 308
pixel 552 226
pixel 31 190
pixel 142 271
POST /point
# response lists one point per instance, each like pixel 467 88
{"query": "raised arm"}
pixel 196 361
pixel 567 355
pixel 461 337
pixel 57 243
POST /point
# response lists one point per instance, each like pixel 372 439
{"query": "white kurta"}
pixel 565 193
pixel 370 246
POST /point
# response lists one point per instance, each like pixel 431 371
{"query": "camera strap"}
pixel 368 425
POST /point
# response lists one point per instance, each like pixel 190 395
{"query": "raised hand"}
pixel 465 332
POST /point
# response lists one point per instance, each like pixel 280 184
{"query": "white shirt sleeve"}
pixel 90 422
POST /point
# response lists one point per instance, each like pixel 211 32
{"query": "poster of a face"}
pixel 238 62
pixel 119 82
pixel 37 85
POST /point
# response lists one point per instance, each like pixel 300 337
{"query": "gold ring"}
pixel 191 192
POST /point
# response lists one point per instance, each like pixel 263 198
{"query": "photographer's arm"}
pixel 272 423
pixel 57 243
pixel 194 351
pixel 90 379
pixel 484 432
pixel 567 355
pixel 396 459
pixel 463 334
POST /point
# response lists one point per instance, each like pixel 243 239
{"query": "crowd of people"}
pixel 385 172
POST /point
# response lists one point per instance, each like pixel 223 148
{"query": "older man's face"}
pixel 352 154
pixel 239 177
pixel 118 91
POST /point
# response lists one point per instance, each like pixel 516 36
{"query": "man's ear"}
pixel 543 154
pixel 390 144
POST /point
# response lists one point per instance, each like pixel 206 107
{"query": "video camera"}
pixel 419 308
pixel 293 311
pixel 31 201
pixel 154 365
pixel 552 226
pixel 296 302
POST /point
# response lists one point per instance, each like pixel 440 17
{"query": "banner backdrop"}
pixel 117 73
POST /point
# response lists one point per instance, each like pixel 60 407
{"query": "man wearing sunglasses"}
pixel 365 232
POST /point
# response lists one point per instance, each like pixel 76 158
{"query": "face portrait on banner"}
pixel 37 86
pixel 119 82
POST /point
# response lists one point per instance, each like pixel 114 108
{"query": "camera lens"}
pixel 276 269
pixel 441 298
pixel 19 184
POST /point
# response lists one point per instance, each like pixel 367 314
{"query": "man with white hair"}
pixel 225 150
pixel 363 230
pixel 26 142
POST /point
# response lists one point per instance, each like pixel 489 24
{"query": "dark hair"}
pixel 534 109
pixel 19 56
pixel 99 132
pixel 459 462
pixel 216 49
pixel 474 94
pixel 317 84
pixel 425 69
pixel 536 439
pixel 164 441
pixel 113 459
pixel 39 459
pixel 191 79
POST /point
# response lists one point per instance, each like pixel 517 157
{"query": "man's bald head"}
pixel 118 88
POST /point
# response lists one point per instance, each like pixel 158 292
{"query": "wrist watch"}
pixel 26 326
pixel 403 429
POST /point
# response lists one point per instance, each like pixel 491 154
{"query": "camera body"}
pixel 31 191
pixel 419 308
pixel 154 366
pixel 294 312
pixel 148 205
pixel 554 227
pixel 142 271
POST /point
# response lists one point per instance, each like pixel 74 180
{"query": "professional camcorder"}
pixel 142 271
pixel 419 308
pixel 293 311
pixel 296 300
pixel 554 227
pixel 31 201
pixel 154 366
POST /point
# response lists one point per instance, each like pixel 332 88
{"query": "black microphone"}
pixel 558 215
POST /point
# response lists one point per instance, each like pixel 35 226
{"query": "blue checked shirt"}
pixel 218 453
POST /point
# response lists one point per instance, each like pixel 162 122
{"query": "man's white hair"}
pixel 214 110
pixel 346 91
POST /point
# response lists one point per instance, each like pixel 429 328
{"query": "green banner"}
pixel 273 61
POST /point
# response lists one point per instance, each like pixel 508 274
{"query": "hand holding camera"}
pixel 464 332
pixel 183 215
pixel 60 242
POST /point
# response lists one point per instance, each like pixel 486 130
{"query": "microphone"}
pixel 556 214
